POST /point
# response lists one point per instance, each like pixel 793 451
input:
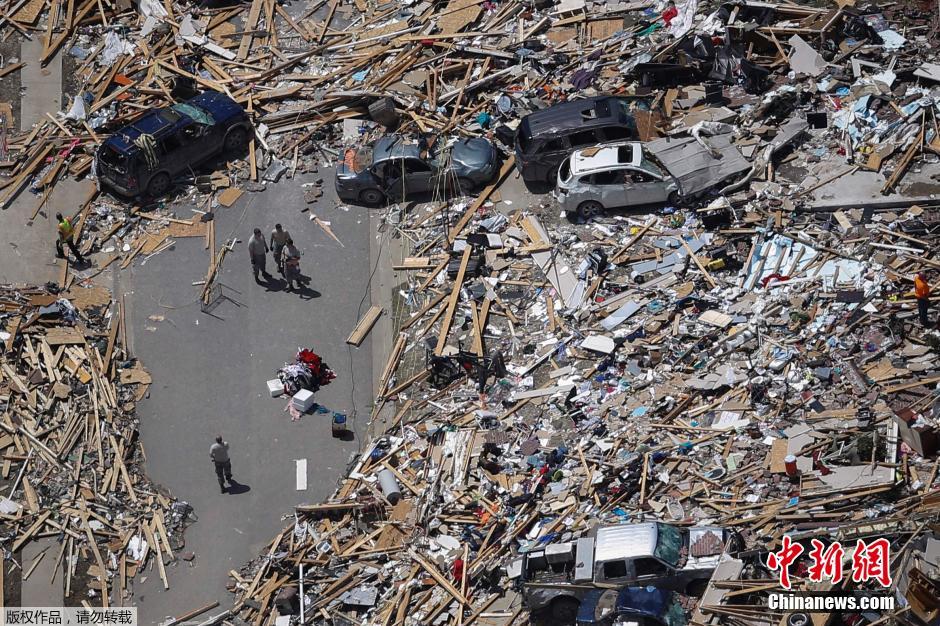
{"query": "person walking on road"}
pixel 291 264
pixel 66 234
pixel 922 293
pixel 257 249
pixel 218 452
pixel 279 238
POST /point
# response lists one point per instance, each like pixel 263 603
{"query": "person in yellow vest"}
pixel 922 293
pixel 66 234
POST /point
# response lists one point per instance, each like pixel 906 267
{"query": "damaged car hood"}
pixel 693 165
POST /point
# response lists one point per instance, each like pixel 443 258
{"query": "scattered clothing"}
pixel 308 371
pixel 670 14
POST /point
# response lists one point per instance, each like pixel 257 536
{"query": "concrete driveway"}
pixel 209 374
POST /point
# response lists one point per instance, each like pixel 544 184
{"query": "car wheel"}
pixel 236 139
pixel 371 197
pixel 159 184
pixel 552 177
pixel 673 199
pixel 465 186
pixel 589 209
pixel 565 610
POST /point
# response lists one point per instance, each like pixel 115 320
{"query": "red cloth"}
pixel 774 277
pixel 670 14
pixel 457 571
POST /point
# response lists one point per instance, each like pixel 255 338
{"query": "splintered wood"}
pixel 71 443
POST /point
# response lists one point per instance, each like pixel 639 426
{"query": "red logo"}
pixel 783 559
pixel 827 564
pixel 870 561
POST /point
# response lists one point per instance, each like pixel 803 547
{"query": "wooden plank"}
pixel 26 536
pixel 481 199
pixel 112 336
pixel 452 301
pixel 436 575
pixel 359 333
pixel 326 22
pixel 708 277
pixel 253 14
pixel 917 383
pixel 158 553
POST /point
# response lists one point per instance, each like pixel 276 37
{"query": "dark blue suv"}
pixel 145 156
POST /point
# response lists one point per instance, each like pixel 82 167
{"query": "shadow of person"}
pixel 347 435
pixel 305 292
pixel 274 284
pixel 235 487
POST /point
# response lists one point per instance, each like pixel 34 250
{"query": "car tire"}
pixel 552 177
pixel 236 139
pixel 564 610
pixel 371 197
pixel 589 209
pixel 673 199
pixel 465 186
pixel 158 185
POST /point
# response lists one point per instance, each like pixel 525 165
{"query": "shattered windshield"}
pixel 668 543
pixel 196 114
pixel 110 156
pixel 358 159
pixel 650 166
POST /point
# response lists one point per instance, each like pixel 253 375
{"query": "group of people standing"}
pixel 285 253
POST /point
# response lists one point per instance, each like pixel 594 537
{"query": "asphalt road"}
pixel 209 374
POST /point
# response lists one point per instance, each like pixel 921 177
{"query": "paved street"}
pixel 209 372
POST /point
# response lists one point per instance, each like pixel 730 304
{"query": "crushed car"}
pixel 146 156
pixel 635 174
pixel 558 576
pixel 632 606
pixel 544 138
pixel 394 168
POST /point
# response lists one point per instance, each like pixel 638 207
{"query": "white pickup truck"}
pixel 557 576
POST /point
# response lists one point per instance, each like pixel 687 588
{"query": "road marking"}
pixel 301 466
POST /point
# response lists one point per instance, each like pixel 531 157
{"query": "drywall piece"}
pixel 542 392
pixel 857 477
pixel 621 315
pixel 804 58
pixel 598 343
pixel 555 267
pixel 715 318
pixel 930 71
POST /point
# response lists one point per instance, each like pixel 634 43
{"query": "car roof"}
pixel 573 115
pixel 152 123
pixel 605 157
pixel 394 147
pixel 625 541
